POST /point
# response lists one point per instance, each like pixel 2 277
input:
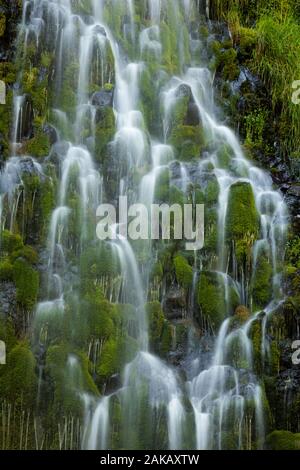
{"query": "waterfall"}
pixel 112 64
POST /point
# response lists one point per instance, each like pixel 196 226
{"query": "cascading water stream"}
pixel 217 394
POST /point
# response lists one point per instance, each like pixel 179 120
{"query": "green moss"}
pixel 293 253
pixel 109 362
pixel 256 337
pixel 68 98
pixel 8 72
pixel 156 320
pixel 157 271
pixel 27 283
pixel 98 264
pixel 27 253
pixel 39 145
pixel 188 142
pixel 211 232
pixel 149 104
pixel 6 271
pixel 248 38
pixel 166 340
pixel 102 317
pixel 255 124
pixel 10 242
pixel 7 334
pixel 2 24
pixel 274 358
pixel 5 120
pixel 179 110
pixel 212 191
pixel 226 61
pixel 18 381
pixel 224 154
pixel 241 314
pixel 37 89
pixel 69 374
pixel 46 204
pixel 211 298
pixel 169 44
pixel 162 188
pixel 283 440
pixel 105 131
pixel 262 283
pixel 183 272
pixel 242 219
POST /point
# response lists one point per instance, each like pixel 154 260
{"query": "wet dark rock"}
pixel 103 98
pixel 193 116
pixel 25 129
pixel 113 384
pixel 12 11
pixel 27 166
pixel 287 384
pixel 7 299
pixel 58 152
pixel 218 31
pixel 245 76
pixel 41 354
pixel 174 304
pixel 51 133
pixel 184 90
pixel 98 29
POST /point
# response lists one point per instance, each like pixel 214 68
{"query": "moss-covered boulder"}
pixel 105 130
pixel 156 320
pixel 242 220
pixel 241 314
pixel 283 440
pixel 188 142
pixel 69 375
pixel 211 298
pixel 183 272
pixel 262 283
pixel 26 279
pixel 18 381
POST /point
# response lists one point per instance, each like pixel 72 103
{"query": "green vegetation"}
pixel 156 321
pixel 262 283
pixel 242 220
pixel 283 440
pixel 211 298
pixel 188 141
pixel 183 271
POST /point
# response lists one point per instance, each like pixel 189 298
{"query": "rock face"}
pixel 9 15
pixel 175 303
pixel 103 98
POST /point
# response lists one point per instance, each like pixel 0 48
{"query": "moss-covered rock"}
pixel 18 380
pixel 69 375
pixel 183 272
pixel 242 219
pixel 242 314
pixel 26 280
pixel 105 130
pixel 283 440
pixel 211 298
pixel 6 271
pixel 156 320
pixel 39 145
pixel 262 283
pixel 10 242
pixel 188 142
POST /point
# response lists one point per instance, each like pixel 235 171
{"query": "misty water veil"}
pixel 147 345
